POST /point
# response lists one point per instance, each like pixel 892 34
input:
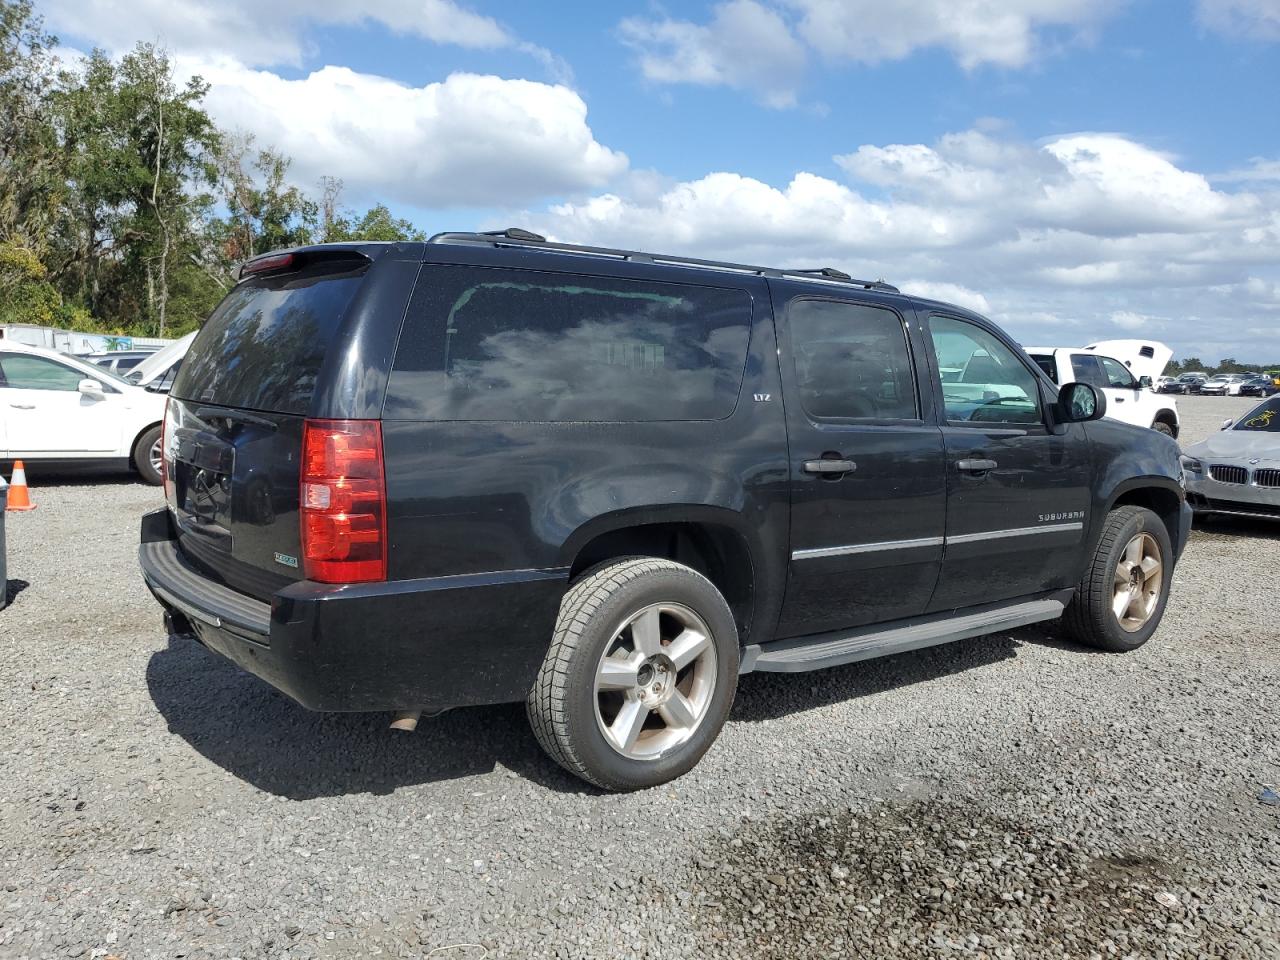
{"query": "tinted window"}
pixel 1117 374
pixel 263 346
pixel 1085 368
pixel 1264 417
pixel 488 344
pixel 1046 363
pixel 982 378
pixel 851 361
pixel 23 372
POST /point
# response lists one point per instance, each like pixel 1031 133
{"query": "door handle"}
pixel 23 406
pixel 976 466
pixel 1119 399
pixel 830 468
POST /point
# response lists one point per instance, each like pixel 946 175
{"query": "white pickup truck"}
pixel 1125 371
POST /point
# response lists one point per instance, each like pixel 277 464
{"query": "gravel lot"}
pixel 1012 796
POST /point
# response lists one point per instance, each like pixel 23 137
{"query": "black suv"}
pixel 492 468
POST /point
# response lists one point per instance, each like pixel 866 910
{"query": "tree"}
pixel 138 149
pixel 30 177
pixel 264 212
pixel 339 225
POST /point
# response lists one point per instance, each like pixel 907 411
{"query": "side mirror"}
pixel 91 388
pixel 1080 403
pixel 1227 424
pixel 1144 383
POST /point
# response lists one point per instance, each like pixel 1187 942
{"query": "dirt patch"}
pixel 933 879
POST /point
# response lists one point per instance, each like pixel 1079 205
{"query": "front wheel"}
pixel 640 675
pixel 1161 427
pixel 1121 598
pixel 146 456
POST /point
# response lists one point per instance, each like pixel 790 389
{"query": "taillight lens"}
pixel 343 502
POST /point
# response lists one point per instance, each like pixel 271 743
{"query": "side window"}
pixel 482 343
pixel 1086 369
pixel 1117 374
pixel 1048 364
pixel 983 381
pixel 852 361
pixel 24 372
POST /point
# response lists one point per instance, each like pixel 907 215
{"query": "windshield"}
pixel 94 372
pixel 1264 418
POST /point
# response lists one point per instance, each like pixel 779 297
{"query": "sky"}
pixel 1078 170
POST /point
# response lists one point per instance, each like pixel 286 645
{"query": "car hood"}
pixel 1238 445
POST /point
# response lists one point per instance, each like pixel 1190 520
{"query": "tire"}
pixel 1092 617
pixel 1161 427
pixel 142 453
pixel 585 728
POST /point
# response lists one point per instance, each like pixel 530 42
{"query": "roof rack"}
pixel 517 237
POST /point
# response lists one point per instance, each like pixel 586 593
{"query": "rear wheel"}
pixel 146 456
pixel 1161 427
pixel 1121 598
pixel 640 675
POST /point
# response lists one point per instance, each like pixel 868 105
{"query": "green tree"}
pixel 30 174
pixel 339 225
pixel 264 211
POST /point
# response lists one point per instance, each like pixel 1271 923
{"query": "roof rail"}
pixel 518 237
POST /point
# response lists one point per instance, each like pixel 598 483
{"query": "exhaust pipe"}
pixel 406 720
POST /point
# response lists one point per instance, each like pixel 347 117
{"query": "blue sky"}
pixel 1078 169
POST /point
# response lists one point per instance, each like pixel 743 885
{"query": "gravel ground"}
pixel 1012 796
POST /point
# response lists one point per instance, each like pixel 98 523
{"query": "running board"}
pixel 833 649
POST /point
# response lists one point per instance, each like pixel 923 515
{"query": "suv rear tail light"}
pixel 343 502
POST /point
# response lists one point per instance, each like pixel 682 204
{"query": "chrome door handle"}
pixel 976 466
pixel 23 406
pixel 829 467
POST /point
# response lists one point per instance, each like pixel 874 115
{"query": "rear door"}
pixel 1017 492
pixel 233 437
pixel 868 484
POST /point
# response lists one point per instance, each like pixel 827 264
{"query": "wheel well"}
pixel 138 437
pixel 1169 417
pixel 717 552
pixel 1164 503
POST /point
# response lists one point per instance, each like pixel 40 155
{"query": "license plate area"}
pixel 204 465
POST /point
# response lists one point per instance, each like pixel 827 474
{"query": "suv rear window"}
pixel 491 344
pixel 262 347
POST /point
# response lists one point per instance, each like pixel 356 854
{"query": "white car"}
pixel 1124 376
pixel 61 411
pixel 1223 385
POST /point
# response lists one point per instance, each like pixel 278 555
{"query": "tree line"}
pixel 123 207
pixel 1228 365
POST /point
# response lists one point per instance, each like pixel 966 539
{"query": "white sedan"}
pixel 64 412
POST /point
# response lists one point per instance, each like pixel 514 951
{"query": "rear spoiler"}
pixel 285 261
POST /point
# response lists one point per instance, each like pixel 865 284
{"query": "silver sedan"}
pixel 1237 470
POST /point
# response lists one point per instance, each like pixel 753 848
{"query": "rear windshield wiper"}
pixel 238 416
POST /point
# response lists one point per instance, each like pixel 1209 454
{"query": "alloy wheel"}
pixel 655 681
pixel 1138 582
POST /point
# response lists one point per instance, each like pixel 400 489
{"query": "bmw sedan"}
pixel 1237 470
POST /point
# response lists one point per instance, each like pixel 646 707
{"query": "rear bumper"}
pixel 401 645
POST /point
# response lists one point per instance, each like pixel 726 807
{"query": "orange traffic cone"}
pixel 19 498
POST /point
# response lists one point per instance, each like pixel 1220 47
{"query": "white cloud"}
pixel 1251 19
pixel 467 141
pixel 1260 170
pixel 746 46
pixel 1074 239
pixel 948 293
pixel 975 32
pixel 267 34
pixel 763 47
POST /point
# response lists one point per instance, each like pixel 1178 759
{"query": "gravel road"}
pixel 1011 796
